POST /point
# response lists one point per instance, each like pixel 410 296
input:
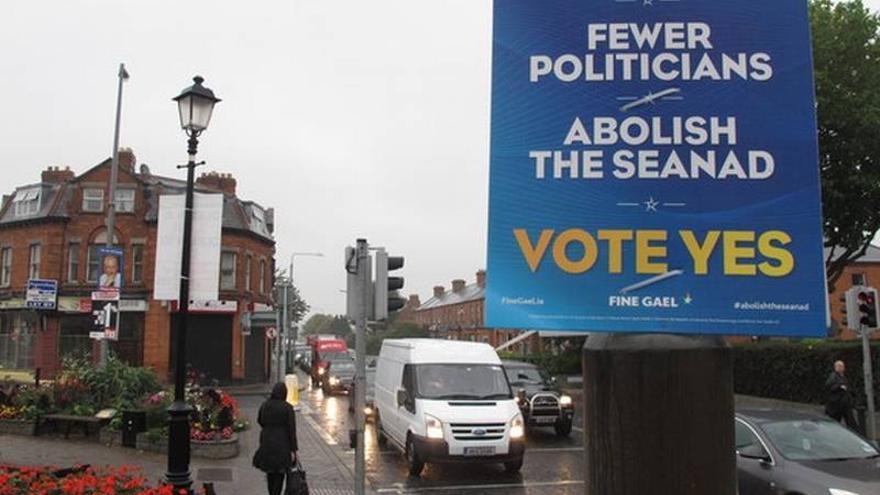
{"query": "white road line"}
pixel 554 449
pixel 500 486
pixel 577 429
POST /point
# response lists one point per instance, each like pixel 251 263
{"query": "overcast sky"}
pixel 351 118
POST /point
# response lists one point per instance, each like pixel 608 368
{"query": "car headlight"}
pixel 334 380
pixel 433 427
pixel 838 491
pixel 368 411
pixel 320 371
pixel 565 401
pixel 517 427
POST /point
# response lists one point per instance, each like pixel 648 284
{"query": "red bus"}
pixel 324 351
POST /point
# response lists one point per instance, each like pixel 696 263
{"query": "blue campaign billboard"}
pixel 654 168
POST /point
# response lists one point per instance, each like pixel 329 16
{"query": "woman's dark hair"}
pixel 279 391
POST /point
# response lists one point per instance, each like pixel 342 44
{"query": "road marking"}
pixel 327 437
pixel 554 449
pixel 577 429
pixel 499 486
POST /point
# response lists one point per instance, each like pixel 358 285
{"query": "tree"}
pixel 297 307
pixel 318 323
pixel 846 54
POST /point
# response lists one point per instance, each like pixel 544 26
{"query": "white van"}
pixel 447 401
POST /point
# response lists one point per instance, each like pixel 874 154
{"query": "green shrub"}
pixel 565 364
pixel 84 389
pixel 796 371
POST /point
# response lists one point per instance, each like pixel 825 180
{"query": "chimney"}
pixel 54 175
pixel 126 159
pixel 458 285
pixel 217 181
pixel 439 291
pixel 414 301
pixel 481 278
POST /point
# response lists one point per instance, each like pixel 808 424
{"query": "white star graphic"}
pixel 651 204
pixel 687 298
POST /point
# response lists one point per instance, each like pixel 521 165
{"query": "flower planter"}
pixel 217 449
pixel 17 427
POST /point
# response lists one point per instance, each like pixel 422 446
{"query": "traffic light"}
pixel 866 297
pixel 385 296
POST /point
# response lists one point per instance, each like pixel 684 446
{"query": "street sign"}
pixel 41 294
pixel 271 333
pixel 654 168
pixel 105 295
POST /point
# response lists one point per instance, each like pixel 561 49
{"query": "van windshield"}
pixel 461 381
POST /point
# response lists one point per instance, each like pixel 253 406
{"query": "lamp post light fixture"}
pixel 195 103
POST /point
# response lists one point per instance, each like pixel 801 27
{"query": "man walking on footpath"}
pixel 839 405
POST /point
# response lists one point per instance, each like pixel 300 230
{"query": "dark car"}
pixel 369 409
pixel 789 452
pixel 541 402
pixel 339 376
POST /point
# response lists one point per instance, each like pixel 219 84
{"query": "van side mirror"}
pixel 402 397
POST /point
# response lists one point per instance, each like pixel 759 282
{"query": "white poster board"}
pixel 205 253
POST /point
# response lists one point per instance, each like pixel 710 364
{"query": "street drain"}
pixel 215 474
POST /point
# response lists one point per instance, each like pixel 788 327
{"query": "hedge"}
pixel 792 371
pixel 796 371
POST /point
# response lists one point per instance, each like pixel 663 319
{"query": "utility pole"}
pixel 363 277
pixel 111 200
pixel 870 426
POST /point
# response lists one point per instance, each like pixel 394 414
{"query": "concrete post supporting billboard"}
pixel 658 415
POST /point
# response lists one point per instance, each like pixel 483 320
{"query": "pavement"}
pixel 328 473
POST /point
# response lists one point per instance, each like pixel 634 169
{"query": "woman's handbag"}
pixel 296 480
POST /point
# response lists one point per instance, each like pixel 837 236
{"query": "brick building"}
pixel 52 229
pixel 458 313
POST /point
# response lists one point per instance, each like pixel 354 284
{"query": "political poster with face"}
pixel 111 268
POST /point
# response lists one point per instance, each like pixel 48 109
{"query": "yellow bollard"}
pixel 292 383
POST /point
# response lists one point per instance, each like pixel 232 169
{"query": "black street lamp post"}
pixel 196 104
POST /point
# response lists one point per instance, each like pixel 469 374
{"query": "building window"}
pixel 5 266
pixel 27 202
pixel 73 262
pixel 262 276
pixel 94 263
pixel 93 200
pixel 247 272
pixel 34 263
pixel 227 270
pixel 137 263
pixel 125 200
pixel 859 279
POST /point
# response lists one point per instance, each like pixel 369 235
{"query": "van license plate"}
pixel 479 451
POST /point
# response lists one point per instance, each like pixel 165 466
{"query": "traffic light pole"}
pixel 363 283
pixel 870 426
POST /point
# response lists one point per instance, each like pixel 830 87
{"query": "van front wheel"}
pixel 414 462
pixel 513 467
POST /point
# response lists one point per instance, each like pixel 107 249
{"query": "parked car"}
pixel 788 452
pixel 539 399
pixel 369 396
pixel 447 401
pixel 339 377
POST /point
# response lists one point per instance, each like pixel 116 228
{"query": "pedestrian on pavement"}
pixel 839 405
pixel 278 446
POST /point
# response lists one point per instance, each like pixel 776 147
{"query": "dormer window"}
pixel 259 219
pixel 27 202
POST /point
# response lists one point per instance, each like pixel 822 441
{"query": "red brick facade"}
pixel 459 314
pixel 64 231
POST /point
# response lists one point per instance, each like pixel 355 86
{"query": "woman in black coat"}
pixel 277 451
